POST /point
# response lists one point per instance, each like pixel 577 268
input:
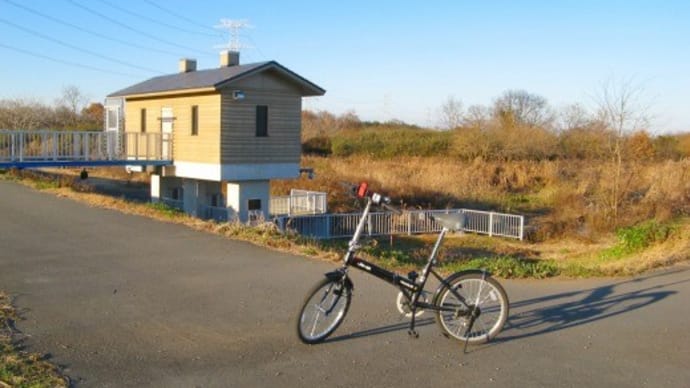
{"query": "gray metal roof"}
pixel 215 78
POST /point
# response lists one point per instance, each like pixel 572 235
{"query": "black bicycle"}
pixel 470 306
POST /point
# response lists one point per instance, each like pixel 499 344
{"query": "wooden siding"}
pixel 203 148
pixel 239 143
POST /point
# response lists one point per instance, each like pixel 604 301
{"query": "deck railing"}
pixel 17 146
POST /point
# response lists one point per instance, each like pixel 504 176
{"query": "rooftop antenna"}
pixel 233 27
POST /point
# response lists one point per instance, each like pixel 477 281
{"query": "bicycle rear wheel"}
pixel 469 295
pixel 323 310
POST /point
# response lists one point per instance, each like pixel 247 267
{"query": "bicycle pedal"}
pixel 413 333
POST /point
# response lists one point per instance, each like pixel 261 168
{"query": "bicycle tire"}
pixel 323 310
pixel 478 290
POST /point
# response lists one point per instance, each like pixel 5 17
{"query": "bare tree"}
pixel 622 109
pixel 572 117
pixel 450 114
pixel 518 107
pixel 24 114
pixel 477 116
pixel 73 98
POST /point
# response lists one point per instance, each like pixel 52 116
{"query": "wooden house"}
pixel 228 131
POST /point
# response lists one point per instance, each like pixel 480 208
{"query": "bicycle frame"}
pixel 409 286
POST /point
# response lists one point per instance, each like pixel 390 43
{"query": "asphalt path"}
pixel 124 301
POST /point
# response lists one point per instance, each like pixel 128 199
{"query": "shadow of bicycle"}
pixel 405 325
pixel 561 311
pixel 551 313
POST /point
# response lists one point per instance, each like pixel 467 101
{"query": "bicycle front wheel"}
pixel 473 308
pixel 323 310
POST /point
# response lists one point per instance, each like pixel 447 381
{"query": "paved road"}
pixel 125 301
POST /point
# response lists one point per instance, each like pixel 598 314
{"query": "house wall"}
pixel 203 148
pixel 239 143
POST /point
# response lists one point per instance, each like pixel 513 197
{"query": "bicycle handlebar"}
pixel 362 191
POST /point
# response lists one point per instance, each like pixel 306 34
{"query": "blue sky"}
pixel 383 59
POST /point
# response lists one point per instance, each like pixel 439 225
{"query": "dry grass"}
pixel 563 199
pixel 568 203
pixel 116 173
pixel 19 368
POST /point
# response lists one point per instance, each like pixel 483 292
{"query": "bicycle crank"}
pixel 403 304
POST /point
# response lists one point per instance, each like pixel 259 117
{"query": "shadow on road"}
pixel 551 313
pixel 381 330
pixel 561 311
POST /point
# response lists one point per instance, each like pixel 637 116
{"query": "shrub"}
pixel 391 143
pixel 636 238
pixel 585 143
pixel 319 145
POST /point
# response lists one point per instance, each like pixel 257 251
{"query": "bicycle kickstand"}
pixel 412 332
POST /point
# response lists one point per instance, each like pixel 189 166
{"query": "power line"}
pixel 94 33
pixel 154 21
pixel 255 46
pixel 144 33
pixel 169 12
pixel 37 55
pixel 77 48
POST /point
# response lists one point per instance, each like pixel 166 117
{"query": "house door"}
pixel 167 120
pixel 112 131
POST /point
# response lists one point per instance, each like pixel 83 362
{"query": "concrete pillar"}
pixel 244 196
pixel 232 201
pixel 155 188
pixel 191 196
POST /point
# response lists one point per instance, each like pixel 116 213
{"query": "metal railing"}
pixel 298 202
pixel 174 203
pixel 67 146
pixel 216 213
pixel 411 222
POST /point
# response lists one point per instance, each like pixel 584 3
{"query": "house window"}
pixel 143 120
pixel 195 120
pixel 261 120
pixel 254 204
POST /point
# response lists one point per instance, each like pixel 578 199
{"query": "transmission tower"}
pixel 233 28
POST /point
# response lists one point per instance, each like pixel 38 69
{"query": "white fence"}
pixel 298 202
pixel 411 222
pixel 43 146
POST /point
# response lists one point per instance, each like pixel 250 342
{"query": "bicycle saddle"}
pixel 454 221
